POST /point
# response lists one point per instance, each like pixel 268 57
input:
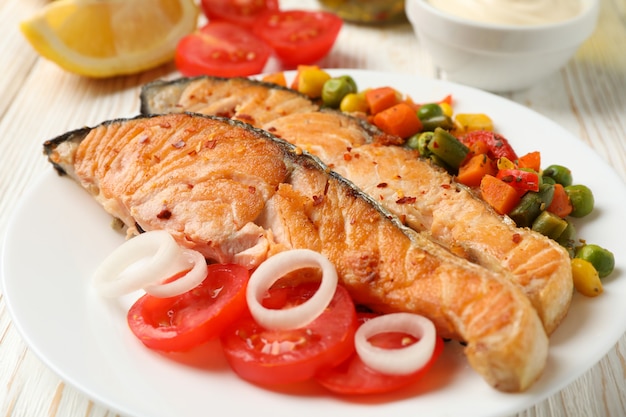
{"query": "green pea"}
pixel 581 198
pixel 602 259
pixel 334 90
pixel 351 83
pixel 428 111
pixel 559 173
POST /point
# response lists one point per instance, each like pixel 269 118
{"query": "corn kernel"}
pixel 353 103
pixel 586 278
pixel 311 81
pixel 473 121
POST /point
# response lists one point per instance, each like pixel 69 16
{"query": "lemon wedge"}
pixel 104 38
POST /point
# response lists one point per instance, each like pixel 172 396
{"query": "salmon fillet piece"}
pixel 257 103
pixel 425 197
pixel 428 200
pixel 239 194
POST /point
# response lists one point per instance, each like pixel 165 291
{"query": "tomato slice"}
pixel 271 357
pixel 240 12
pixel 497 144
pixel 353 377
pixel 298 37
pixel 221 49
pixel 179 323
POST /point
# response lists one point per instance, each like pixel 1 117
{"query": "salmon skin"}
pixel 424 196
pixel 239 194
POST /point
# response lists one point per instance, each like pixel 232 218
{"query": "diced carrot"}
pixel 276 78
pixel 472 172
pixel 400 120
pixel 498 194
pixel 561 204
pixel 531 160
pixel 381 98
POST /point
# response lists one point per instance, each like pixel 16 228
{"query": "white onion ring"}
pixel 274 268
pixel 400 361
pixel 190 280
pixel 146 259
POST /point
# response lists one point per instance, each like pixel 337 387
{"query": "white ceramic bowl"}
pixel 494 57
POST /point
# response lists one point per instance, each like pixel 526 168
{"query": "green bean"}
pixel 531 205
pixel 448 148
pixel 420 142
pixel 602 259
pixel 567 239
pixel 581 198
pixel 527 210
pixel 442 121
pixel 549 224
pixel 559 173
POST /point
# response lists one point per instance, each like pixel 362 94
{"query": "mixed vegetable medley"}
pixel 545 199
pixel 290 320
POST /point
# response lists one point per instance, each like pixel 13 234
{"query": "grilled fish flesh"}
pixel 425 197
pixel 239 194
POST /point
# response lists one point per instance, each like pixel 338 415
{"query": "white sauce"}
pixel 511 12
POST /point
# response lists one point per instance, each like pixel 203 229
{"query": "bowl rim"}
pixel 428 21
pixel 590 11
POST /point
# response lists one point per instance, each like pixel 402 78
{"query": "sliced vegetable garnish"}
pixel 145 260
pixel 221 49
pixel 275 268
pixel 298 36
pixel 240 12
pixel 184 283
pixel 180 323
pixel 400 361
pixel 270 357
pixel 353 377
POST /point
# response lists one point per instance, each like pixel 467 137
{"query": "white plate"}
pixel 59 234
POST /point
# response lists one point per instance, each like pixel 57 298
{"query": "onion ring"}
pixel 190 280
pixel 275 267
pixel 400 361
pixel 145 259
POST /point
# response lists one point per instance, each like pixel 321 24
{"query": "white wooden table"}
pixel 39 101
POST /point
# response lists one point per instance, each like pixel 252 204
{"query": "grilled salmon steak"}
pixel 425 197
pixel 239 194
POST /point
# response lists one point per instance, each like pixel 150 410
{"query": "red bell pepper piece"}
pixel 519 179
pixel 498 145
